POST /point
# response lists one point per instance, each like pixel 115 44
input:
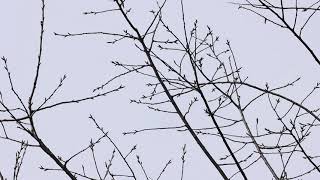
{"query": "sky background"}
pixel 266 53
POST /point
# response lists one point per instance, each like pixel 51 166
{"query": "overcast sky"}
pixel 266 53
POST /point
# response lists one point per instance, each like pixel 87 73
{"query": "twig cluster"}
pixel 208 77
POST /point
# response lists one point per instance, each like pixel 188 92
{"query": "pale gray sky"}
pixel 267 54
